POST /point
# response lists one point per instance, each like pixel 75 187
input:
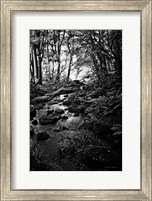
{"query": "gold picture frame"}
pixel 142 6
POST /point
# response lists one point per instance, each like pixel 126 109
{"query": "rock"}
pixel 73 109
pixel 74 123
pixel 89 110
pixel 72 96
pixel 42 112
pixel 45 121
pixel 51 119
pixel 64 117
pixel 46 106
pixel 56 129
pixel 35 122
pixel 65 95
pixel 101 129
pixel 42 136
pixel 77 101
pixel 61 125
pixel 58 111
pixel 41 88
pixel 50 111
pixel 60 128
pixel 76 109
pixel 39 106
pixel 52 102
pixel 32 112
pixel 61 97
pixel 40 99
pixel 76 83
pixel 82 108
pixel 76 114
pixel 66 102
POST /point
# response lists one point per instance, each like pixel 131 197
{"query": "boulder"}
pixel 77 82
pixel 42 136
pixel 58 111
pixel 76 114
pixel 50 119
pixel 72 96
pixel 50 111
pixel 39 106
pixel 76 109
pixel 65 95
pixel 40 99
pixel 42 112
pixel 52 102
pixel 64 117
pixel 61 97
pixel 41 88
pixel 46 106
pixel 66 102
pixel 73 109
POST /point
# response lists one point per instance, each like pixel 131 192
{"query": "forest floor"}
pixel 76 126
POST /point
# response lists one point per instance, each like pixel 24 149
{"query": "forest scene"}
pixel 75 100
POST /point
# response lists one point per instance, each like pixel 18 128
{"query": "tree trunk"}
pixel 32 66
pixel 69 69
pixel 58 62
pixel 53 69
pixel 32 72
pixel 35 62
pixel 40 70
pixel 71 50
pixel 96 69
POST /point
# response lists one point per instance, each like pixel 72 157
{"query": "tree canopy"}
pixel 75 54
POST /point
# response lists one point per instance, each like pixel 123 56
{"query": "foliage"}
pixel 64 51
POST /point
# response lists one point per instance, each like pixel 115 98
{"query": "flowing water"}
pixel 60 133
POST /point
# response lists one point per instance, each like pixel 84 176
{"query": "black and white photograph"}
pixel 75 100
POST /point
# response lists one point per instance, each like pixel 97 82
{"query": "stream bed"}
pixel 61 139
pixel 56 131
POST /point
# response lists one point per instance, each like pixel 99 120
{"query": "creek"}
pixel 55 109
pixel 53 140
